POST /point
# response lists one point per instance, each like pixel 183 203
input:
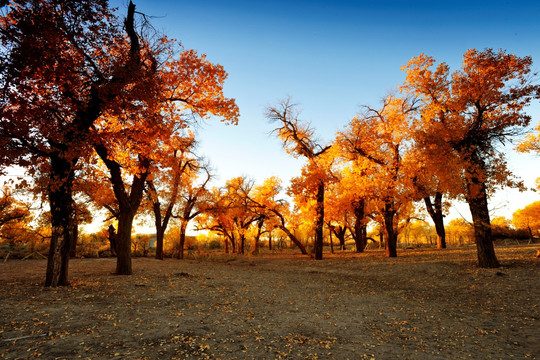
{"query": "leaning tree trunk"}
pixel 319 224
pixel 435 212
pixel 478 204
pixel 294 239
pixel 391 234
pixel 61 204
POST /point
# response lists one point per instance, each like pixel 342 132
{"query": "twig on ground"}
pixel 24 337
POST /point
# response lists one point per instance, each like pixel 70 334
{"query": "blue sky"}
pixel 332 57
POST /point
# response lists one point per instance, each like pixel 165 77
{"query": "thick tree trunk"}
pixel 435 212
pixel 360 230
pixel 160 233
pixel 123 243
pixel 319 224
pixel 61 204
pixel 391 233
pixel 478 204
pixel 128 204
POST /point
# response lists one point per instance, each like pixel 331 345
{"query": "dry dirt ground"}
pixel 425 304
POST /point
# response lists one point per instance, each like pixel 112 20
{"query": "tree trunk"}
pixel 61 204
pixel 331 241
pixel 123 243
pixel 183 227
pixel 340 234
pixel 160 233
pixel 270 241
pixel 242 243
pixel 294 239
pixel 160 230
pixel 319 224
pixel 478 204
pixel 233 243
pixel 435 212
pixel 260 224
pixel 128 204
pixel 391 233
pixel 74 240
pixel 360 232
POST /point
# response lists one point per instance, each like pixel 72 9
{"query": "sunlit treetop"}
pixel 466 114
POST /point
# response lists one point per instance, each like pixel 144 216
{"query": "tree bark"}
pixel 160 234
pixel 478 204
pixel 61 204
pixel 340 232
pixel 360 230
pixel 391 233
pixel 74 240
pixel 435 212
pixel 123 243
pixel 260 224
pixel 183 227
pixel 331 241
pixel 294 239
pixel 319 225
pixel 128 204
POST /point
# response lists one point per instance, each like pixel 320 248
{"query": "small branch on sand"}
pixel 24 337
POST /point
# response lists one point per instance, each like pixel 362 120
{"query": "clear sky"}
pixel 332 57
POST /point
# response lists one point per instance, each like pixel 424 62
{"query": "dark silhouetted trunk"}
pixel 226 244
pixel 260 224
pixel 391 233
pixel 319 224
pixel 340 232
pixel 360 229
pixel 73 247
pixel 128 204
pixel 233 243
pixel 123 243
pixel 434 210
pixel 242 243
pixel 160 234
pixel 331 240
pixel 182 243
pixel 61 204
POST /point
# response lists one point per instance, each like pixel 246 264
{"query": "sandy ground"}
pixel 425 304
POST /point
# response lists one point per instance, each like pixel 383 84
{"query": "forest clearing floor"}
pixel 424 304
